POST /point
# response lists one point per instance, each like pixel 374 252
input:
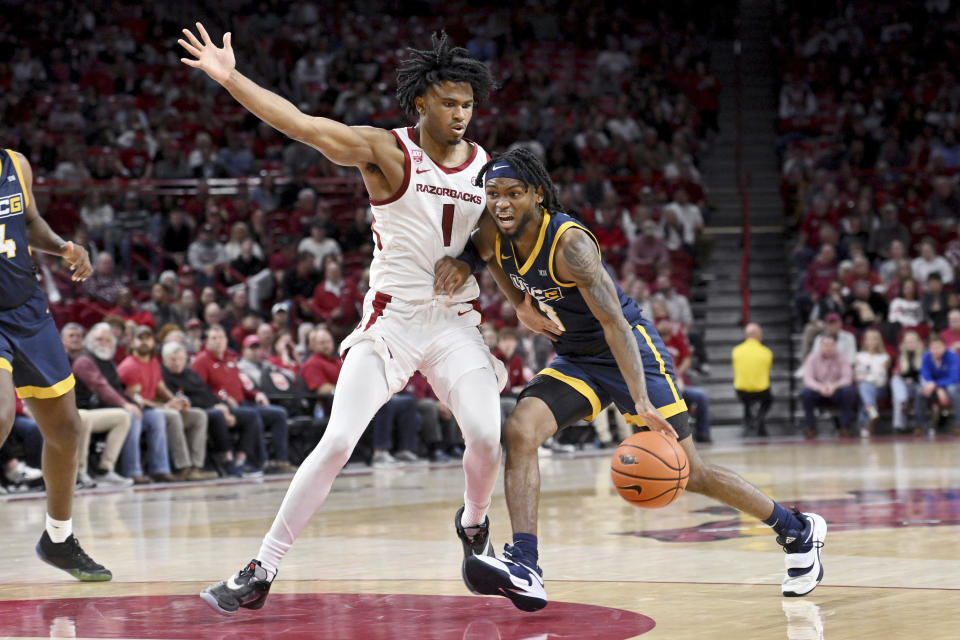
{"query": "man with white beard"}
pixel 97 376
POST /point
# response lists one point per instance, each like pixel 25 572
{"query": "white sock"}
pixel 59 530
pixel 269 568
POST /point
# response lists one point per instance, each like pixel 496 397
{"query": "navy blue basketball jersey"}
pixel 18 279
pixel 560 301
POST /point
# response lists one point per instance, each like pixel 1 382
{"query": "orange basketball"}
pixel 649 469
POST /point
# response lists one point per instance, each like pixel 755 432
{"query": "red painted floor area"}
pixel 329 616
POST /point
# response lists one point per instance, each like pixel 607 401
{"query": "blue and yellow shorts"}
pixel 30 348
pixel 597 381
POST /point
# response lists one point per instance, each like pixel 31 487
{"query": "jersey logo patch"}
pixel 417 155
pixel 11 178
pixel 542 295
pixel 419 170
pixel 11 205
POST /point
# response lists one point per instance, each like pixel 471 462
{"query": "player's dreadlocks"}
pixel 443 63
pixel 533 172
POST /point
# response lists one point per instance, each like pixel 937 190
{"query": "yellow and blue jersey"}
pixel 18 277
pixel 30 346
pixel 560 301
pixel 584 360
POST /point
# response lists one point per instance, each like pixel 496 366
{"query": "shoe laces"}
pixel 517 557
pixel 80 554
pixel 795 545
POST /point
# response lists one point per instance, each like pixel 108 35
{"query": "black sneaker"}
pixel 475 541
pixel 70 556
pixel 247 589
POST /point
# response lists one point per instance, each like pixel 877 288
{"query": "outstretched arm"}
pixel 578 261
pixel 42 238
pixel 346 146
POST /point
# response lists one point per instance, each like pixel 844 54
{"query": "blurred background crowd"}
pixel 217 240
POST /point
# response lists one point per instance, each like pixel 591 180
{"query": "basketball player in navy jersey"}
pixel 425 203
pixel 606 351
pixel 33 363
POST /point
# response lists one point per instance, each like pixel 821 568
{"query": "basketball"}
pixel 649 469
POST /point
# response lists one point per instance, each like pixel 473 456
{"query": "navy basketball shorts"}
pixel 30 348
pixel 596 381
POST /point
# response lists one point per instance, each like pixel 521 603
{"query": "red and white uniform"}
pixel 430 216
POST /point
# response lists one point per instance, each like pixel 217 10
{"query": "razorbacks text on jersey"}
pixel 18 279
pixel 430 216
pixel 560 301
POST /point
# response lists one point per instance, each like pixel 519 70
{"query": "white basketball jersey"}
pixel 430 216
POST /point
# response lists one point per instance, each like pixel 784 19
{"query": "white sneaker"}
pixel 113 479
pixel 84 481
pixel 383 459
pixel 23 473
pixel 507 577
pixel 804 569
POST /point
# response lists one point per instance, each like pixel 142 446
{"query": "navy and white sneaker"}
pixel 804 569
pixel 475 541
pixel 247 589
pixel 510 577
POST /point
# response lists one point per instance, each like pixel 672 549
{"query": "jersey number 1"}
pixel 7 245
pixel 447 224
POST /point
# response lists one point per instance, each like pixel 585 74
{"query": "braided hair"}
pixel 425 68
pixel 531 170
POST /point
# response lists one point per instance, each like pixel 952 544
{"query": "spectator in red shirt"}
pixel 646 253
pixel 951 335
pixel 186 427
pixel 218 368
pixel 336 300
pixel 821 272
pixel 322 368
pixel 517 374
pixel 99 385
pixel 285 353
pixel 680 353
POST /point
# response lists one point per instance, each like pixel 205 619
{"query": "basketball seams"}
pixel 667 479
pixel 673 489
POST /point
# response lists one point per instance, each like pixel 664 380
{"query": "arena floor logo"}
pixel 882 509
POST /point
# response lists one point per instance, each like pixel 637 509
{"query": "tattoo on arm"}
pixel 580 261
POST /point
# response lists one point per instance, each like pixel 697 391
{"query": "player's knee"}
pixel 335 449
pixel 519 437
pixel 486 444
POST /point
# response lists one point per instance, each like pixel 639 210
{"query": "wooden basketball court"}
pixel 381 560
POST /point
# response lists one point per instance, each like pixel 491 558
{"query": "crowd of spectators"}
pixel 206 225
pixel 869 156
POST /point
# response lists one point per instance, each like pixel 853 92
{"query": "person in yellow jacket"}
pixel 752 362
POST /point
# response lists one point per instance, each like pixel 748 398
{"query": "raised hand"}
pixel 217 62
pixel 532 319
pixel 78 260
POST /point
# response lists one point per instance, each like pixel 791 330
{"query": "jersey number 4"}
pixel 7 245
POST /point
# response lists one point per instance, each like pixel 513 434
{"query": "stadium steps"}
pixel 768 276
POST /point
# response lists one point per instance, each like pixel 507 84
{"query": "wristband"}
pixel 472 257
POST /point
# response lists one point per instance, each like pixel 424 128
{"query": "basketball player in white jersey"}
pixel 425 205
